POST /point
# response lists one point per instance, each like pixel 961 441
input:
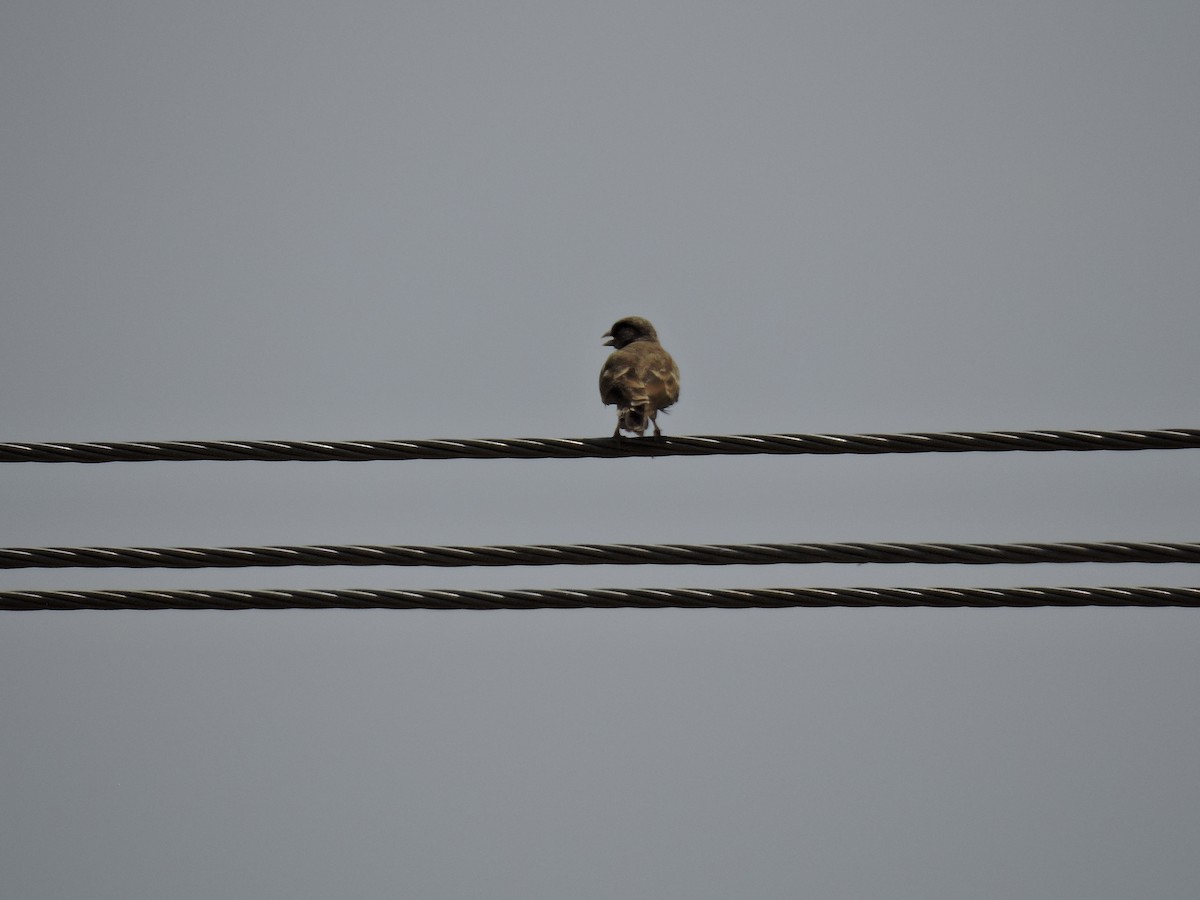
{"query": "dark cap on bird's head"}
pixel 629 329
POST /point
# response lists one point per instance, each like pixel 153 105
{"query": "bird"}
pixel 639 377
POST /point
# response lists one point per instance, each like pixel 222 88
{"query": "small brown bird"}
pixel 639 377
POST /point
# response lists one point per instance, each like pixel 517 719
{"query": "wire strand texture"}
pixel 607 448
pixel 615 598
pixel 593 555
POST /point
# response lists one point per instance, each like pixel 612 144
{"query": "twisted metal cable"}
pixel 560 448
pixel 641 598
pixel 592 555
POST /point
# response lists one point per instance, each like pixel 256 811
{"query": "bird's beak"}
pixel 611 342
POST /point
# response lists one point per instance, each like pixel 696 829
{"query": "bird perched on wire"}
pixel 639 377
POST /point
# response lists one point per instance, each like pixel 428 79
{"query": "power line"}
pixel 559 448
pixel 614 598
pixel 600 554
pixel 593 554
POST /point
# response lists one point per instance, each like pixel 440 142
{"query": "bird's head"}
pixel 626 331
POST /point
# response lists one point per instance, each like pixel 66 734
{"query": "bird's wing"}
pixel 660 377
pixel 616 378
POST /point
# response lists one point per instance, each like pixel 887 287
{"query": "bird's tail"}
pixel 633 418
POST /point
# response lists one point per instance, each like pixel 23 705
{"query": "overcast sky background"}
pixel 370 220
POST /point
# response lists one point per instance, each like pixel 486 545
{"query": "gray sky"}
pixel 370 220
